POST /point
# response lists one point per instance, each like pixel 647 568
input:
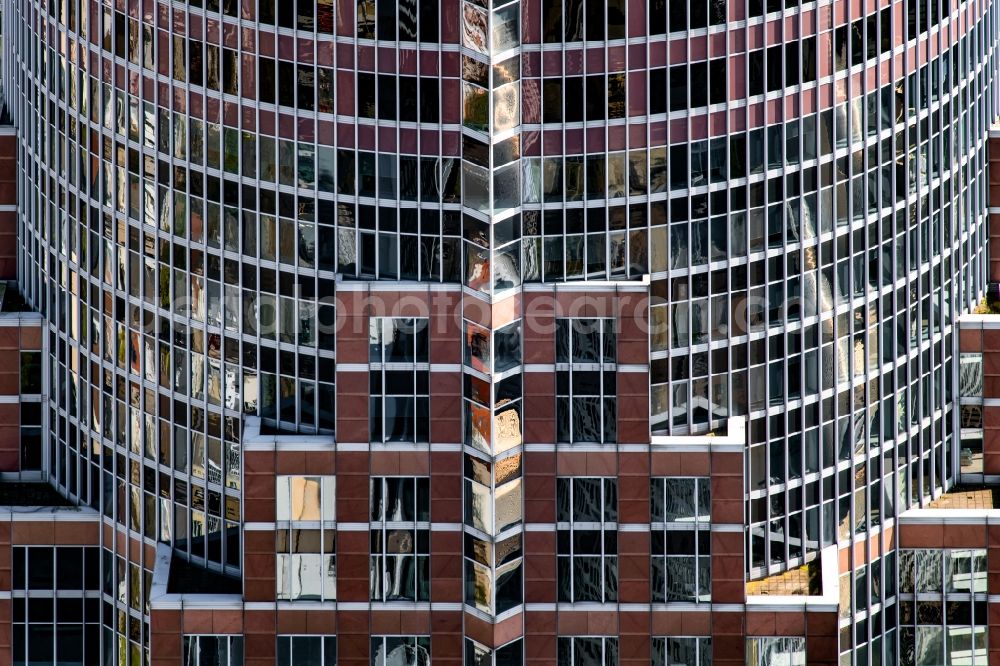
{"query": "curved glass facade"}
pixel 803 187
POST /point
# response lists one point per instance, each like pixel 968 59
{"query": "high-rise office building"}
pixel 495 332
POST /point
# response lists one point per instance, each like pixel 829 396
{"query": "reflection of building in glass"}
pixel 574 331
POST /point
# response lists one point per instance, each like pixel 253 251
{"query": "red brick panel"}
pixel 31 337
pixel 633 407
pixel 8 245
pixel 921 536
pixel 8 170
pixel 970 339
pixel 539 329
pixel 728 639
pixel 540 567
pixel 728 584
pixel 259 640
pixel 352 406
pixel 446 638
pixel 993 561
pixel 165 637
pixel 634 647
pixel 445 329
pixel 821 638
pixel 993 633
pixel 633 488
pixel 258 486
pixel 539 407
pixel 991 363
pixel 353 566
pixel 353 638
pixel 633 567
pixel 540 641
pixel 446 407
pixel 994 221
pixel 259 562
pixel 539 487
pixel 994 228
pixel 991 439
pixel 446 566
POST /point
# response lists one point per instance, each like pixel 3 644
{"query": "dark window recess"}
pixel 31 372
pixel 597 98
pixel 755 63
pixel 429 101
pixel 366 95
pixel 408 98
pixel 678 87
pixel 286 83
pixel 658 90
pixel 386 97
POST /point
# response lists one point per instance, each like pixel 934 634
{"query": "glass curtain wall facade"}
pixel 802 186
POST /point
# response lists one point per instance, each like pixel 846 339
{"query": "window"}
pixel 681 556
pixel 31 435
pixel 587 515
pixel 970 375
pixel 401 650
pixel 943 597
pixel 576 20
pixel 588 651
pixel 586 406
pixel 682 651
pixel 400 539
pixel 31 372
pixel 765 651
pixel 405 20
pixel 511 654
pixel 493 501
pixel 307 651
pixel 55 604
pixel 306 537
pixel 702 14
pixel 398 375
pixel 213 651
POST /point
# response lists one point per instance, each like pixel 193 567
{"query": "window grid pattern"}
pixel 31 376
pixel 970 416
pixel 401 650
pixel 681 651
pixel 586 391
pixel 591 650
pixel 400 539
pixel 510 654
pixel 180 262
pixel 680 510
pixel 943 606
pixel 587 539
pixel 307 651
pixel 306 538
pixel 55 605
pixel 221 650
pixel 767 650
pixel 399 378
pixel 869 608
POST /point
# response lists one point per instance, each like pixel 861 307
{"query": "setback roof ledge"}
pixel 161 599
pixel 640 284
pixel 253 440
pixel 43 514
pixel 954 516
pixel 734 440
pixel 791 604
pixel 979 320
pixel 344 284
pixel 828 601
